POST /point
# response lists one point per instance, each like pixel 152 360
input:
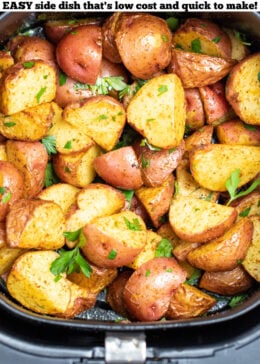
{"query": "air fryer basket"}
pixel 101 319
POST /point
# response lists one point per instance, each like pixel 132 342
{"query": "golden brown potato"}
pixel 182 250
pixel 198 70
pixel 236 132
pixel 166 231
pixel 102 118
pixel 31 159
pixel 157 111
pixel 79 53
pixel 110 50
pixel 63 194
pixel 157 200
pixel 238 48
pixel 247 205
pixel 187 186
pixel 115 293
pixel 32 284
pixel 199 137
pixel 156 166
pixel 226 252
pixel 3 155
pixel 202 36
pixel 76 168
pixel 115 240
pixel 35 224
pixel 242 89
pixel 99 278
pixel 195 116
pixel 227 283
pixel 252 258
pixel 6 60
pixel 211 165
pixel 188 302
pixel 34 82
pixel 217 109
pixel 56 29
pixel 137 207
pixel 119 168
pixel 31 124
pixel 144 43
pixel 199 221
pixel 148 291
pixel 11 182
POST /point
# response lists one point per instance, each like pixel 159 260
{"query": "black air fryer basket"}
pixel 96 336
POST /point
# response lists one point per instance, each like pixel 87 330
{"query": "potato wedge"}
pixel 157 200
pixel 227 283
pixel 35 83
pixel 63 194
pixel 182 250
pixel 198 70
pixel 211 165
pixel 252 258
pixel 6 60
pixel 199 137
pixel 248 205
pixel 243 91
pixel 109 47
pixel 187 186
pixel 157 111
pixel 188 302
pixel 238 49
pixel 76 168
pixel 32 284
pixel 199 221
pixel 102 118
pixel 31 159
pixel 3 155
pixel 238 133
pixel 195 116
pixel 115 240
pixel 148 291
pixel 208 36
pixel 35 224
pixel 166 231
pixel 226 252
pixel 31 124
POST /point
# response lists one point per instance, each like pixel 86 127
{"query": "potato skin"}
pixel 144 44
pixel 79 53
pixel 110 50
pixel 195 116
pixel 224 253
pixel 11 180
pixel 236 132
pixel 227 283
pixel 148 291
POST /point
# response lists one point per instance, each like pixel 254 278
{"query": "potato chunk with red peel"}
pixel 148 291
pixel 238 133
pixel 227 251
pixel 252 258
pixel 79 53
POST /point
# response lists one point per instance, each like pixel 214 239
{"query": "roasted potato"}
pixel 79 53
pixel 199 137
pixel 199 221
pixel 160 277
pixel 30 158
pixel 110 50
pixel 251 260
pixel 35 224
pixel 227 283
pixel 238 133
pixel 115 240
pixel 6 60
pixel 202 36
pixel 243 91
pixel 188 302
pixel 195 116
pixel 247 205
pixel 182 250
pixel 33 81
pixel 226 252
pixel 144 43
pixel 32 284
pixel 222 160
pixel 239 49
pixel 198 70
pixel 157 111
pixel 124 164
pixel 102 118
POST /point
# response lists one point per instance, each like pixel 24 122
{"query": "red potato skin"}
pixel 110 51
pixel 12 182
pixel 148 291
pixel 79 53
pixel 236 132
pixel 119 168
pixel 194 108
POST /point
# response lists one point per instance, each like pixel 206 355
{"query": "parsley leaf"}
pixel 62 78
pixel 112 254
pixel 236 300
pixel 245 212
pixel 162 89
pixel 144 142
pixel 163 249
pixel 216 39
pixel 50 176
pixel 133 225
pixel 172 23
pixel 72 235
pixel 9 124
pixel 5 195
pixel 193 280
pixel 50 144
pixel 28 64
pixel 128 195
pixel 40 93
pixel 195 45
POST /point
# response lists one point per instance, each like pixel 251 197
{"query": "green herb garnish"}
pixel 236 300
pixel 28 64
pixel 112 254
pixel 145 162
pixel 216 39
pixel 164 38
pixel 50 144
pixel 68 145
pixel 5 195
pixel 147 272
pixel 196 46
pixel 172 23
pixel 144 142
pixel 128 195
pixel 9 124
pixel 163 249
pixel 193 280
pixel 249 127
pixel 72 235
pixel 62 78
pixel 133 225
pixel 40 93
pixel 245 212
pixel 50 176
pixel 162 89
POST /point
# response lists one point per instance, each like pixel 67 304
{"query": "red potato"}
pixel 200 137
pixel 119 168
pixel 110 50
pixel 236 132
pixel 148 291
pixel 11 183
pixel 195 116
pixel 79 53
pixel 217 109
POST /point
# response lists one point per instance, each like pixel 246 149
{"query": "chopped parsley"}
pixel 162 89
pixel 163 249
pixel 112 254
pixel 195 45
pixel 40 93
pixel 9 124
pixel 216 39
pixel 50 144
pixel 28 64
pixel 62 78
pixel 133 225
